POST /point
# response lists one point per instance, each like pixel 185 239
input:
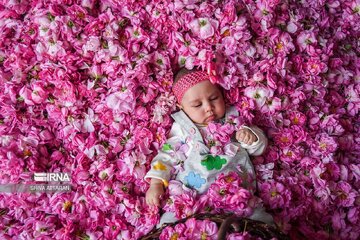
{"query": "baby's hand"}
pixel 246 136
pixel 154 193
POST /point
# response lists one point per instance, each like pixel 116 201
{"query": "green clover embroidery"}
pixel 211 162
pixel 166 147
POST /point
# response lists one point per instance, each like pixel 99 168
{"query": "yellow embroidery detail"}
pixel 159 166
pixel 166 183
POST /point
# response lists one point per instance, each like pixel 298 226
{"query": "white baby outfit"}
pixel 186 156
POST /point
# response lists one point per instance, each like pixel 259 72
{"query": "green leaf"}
pixel 70 24
pixel 50 17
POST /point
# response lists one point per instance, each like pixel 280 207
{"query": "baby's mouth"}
pixel 210 118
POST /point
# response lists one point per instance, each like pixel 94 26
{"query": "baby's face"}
pixel 203 103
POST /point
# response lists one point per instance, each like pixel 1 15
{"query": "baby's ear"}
pixel 179 106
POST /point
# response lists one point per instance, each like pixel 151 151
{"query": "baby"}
pixel 201 102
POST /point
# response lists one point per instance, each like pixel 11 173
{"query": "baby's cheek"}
pixel 222 109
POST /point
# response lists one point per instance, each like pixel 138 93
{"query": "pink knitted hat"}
pixel 187 81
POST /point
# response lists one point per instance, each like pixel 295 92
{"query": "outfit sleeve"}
pixel 257 148
pixel 173 152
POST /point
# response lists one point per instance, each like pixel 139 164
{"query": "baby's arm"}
pixel 252 139
pixel 162 166
pixel 155 192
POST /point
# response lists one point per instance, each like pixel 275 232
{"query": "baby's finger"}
pixel 151 201
pixel 240 136
pixel 253 139
pixel 246 139
pixel 156 201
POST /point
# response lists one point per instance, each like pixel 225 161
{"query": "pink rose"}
pixel 204 27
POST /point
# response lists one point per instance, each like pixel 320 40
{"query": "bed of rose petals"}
pixel 85 89
pixel 199 229
pixel 224 195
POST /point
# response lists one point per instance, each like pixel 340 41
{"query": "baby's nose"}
pixel 208 107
